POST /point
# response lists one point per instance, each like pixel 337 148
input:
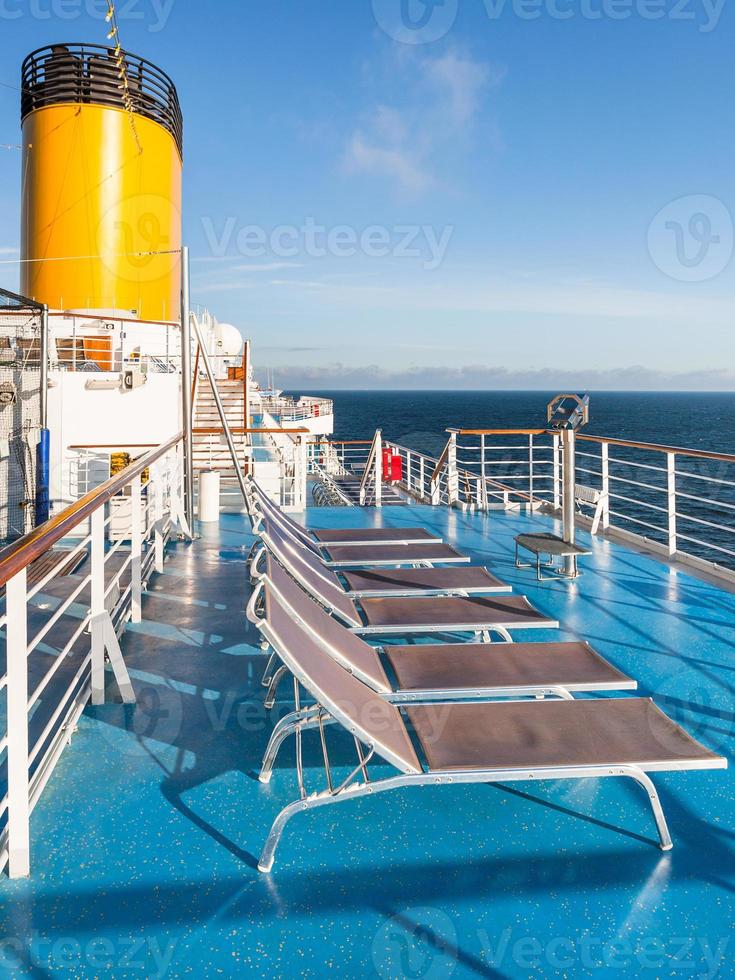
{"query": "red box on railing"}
pixel 392 467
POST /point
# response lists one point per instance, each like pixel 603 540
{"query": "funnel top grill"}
pixel 88 74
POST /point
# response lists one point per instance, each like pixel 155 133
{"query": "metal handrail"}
pixel 19 555
pixel 656 447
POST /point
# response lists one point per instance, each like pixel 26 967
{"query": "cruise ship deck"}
pixel 146 840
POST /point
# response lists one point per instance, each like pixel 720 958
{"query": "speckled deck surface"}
pixel 144 845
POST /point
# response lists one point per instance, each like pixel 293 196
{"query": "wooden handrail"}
pixel 120 319
pixel 503 432
pixel 118 445
pixel 440 463
pixel 25 550
pixel 658 448
pixel 240 430
pixel 344 442
pixel 650 446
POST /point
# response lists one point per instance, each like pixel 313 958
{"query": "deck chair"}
pixel 402 616
pixel 373 547
pixel 382 582
pixel 319 539
pixel 471 742
pixel 433 672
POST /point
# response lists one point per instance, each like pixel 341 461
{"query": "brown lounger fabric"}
pixel 312 573
pixel 446 611
pixel 443 666
pixel 344 645
pixel 424 580
pixel 357 554
pixel 537 734
pixel 310 536
pixel 344 696
pixel 373 534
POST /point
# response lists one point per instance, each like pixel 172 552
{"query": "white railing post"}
pixel 422 476
pixel 300 467
pixel 556 469
pixel 408 470
pixel 97 586
pixel 136 550
pixel 671 497
pixel 104 639
pixel 483 474
pixel 378 468
pixel 530 468
pixel 605 486
pixel 17 720
pixel 452 475
pixel 159 472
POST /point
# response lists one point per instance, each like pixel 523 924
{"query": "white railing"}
pixel 680 500
pixel 118 531
pixel 675 500
pixel 289 448
pixel 340 457
pixel 289 411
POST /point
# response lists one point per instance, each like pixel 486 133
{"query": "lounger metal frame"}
pixel 351 788
pixel 289 724
pixel 257 519
pixel 481 630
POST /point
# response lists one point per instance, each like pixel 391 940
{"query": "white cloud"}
pixel 267 267
pixel 435 103
pixel 382 161
pixel 480 377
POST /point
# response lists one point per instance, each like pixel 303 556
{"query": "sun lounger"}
pixel 472 742
pixel 406 615
pixel 430 672
pixel 323 538
pixel 368 553
pixel 375 583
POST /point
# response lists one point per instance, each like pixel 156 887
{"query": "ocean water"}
pixel 702 421
pixel 419 418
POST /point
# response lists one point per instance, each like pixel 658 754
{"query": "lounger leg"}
pixel 270 697
pixel 658 814
pixel 267 677
pixel 265 864
pixel 285 727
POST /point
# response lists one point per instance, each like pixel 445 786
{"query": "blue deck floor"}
pixel 144 845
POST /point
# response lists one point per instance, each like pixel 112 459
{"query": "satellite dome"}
pixel 229 339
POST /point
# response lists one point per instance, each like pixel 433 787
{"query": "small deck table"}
pixel 553 546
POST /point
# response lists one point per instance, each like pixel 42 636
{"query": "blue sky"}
pixel 538 189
